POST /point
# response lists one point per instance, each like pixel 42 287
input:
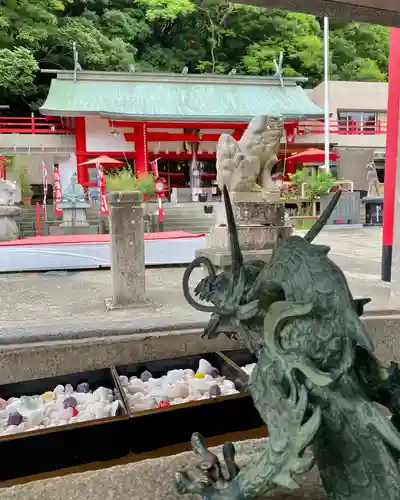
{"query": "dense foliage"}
pixel 167 35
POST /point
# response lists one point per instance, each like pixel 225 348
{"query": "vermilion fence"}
pixel 345 127
pixel 54 125
pixel 35 125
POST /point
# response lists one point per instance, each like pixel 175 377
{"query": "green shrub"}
pixel 317 183
pixel 125 180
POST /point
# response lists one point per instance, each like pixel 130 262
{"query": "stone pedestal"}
pixel 8 226
pixel 127 249
pixel 74 220
pixel 260 225
pixel 74 214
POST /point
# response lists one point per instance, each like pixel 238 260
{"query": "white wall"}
pixel 67 166
pixel 99 136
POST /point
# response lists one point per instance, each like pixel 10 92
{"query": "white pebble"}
pixel 228 384
pixel 204 366
pixel 59 390
pixel 69 390
pixel 40 412
pixel 176 387
pixel 136 386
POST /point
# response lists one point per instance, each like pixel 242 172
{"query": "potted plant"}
pixel 124 180
pixel 26 190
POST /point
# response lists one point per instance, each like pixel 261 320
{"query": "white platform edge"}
pixel 93 255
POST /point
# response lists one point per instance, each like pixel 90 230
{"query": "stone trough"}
pixel 142 476
pixel 87 417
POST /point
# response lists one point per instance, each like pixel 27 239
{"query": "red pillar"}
pixel 141 151
pixel 2 168
pixel 391 153
pixel 80 149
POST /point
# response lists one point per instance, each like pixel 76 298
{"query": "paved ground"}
pixel 34 305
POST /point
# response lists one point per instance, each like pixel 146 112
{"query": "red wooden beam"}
pixel 200 125
pixel 170 137
pixel 161 154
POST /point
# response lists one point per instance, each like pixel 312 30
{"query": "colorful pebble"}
pixel 145 376
pixel 70 402
pixel 175 387
pixel 215 391
pixel 48 396
pixel 75 412
pixel 14 418
pixel 3 404
pixel 83 387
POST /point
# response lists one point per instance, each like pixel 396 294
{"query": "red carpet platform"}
pixel 89 251
pixel 77 239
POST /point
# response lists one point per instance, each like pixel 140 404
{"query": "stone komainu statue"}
pixel 245 165
pixel 7 192
pixel 373 180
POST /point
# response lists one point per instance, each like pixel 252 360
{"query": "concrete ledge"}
pixel 38 360
pixel 147 480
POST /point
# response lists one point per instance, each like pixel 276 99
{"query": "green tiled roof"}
pixel 176 97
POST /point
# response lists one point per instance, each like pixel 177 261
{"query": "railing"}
pixel 54 125
pixel 343 127
pixel 34 125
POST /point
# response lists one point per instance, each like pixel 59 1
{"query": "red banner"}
pixel 103 194
pixel 154 167
pixel 57 190
pixel 45 177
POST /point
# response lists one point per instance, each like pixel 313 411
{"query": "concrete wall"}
pixel 27 144
pixel 66 162
pixel 351 165
pixel 356 96
pixel 363 96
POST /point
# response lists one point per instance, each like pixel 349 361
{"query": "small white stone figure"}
pixel 373 180
pixel 245 165
pixel 7 192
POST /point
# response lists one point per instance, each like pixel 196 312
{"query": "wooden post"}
pixel 127 249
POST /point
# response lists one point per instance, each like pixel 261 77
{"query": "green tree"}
pixel 166 35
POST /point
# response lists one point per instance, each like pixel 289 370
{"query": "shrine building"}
pixel 140 117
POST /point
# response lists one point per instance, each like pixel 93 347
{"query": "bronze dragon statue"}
pixel 316 383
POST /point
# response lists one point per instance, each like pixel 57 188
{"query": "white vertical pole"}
pixel 326 91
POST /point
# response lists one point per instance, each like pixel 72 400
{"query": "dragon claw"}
pixel 211 483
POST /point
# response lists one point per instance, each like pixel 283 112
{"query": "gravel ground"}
pixel 54 303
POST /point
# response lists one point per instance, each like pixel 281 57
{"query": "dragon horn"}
pixel 323 218
pixel 237 256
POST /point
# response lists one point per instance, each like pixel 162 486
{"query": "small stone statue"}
pixel 316 384
pixel 373 180
pixel 245 166
pixel 74 193
pixel 7 192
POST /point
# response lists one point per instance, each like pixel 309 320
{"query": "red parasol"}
pixel 312 155
pixel 102 160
